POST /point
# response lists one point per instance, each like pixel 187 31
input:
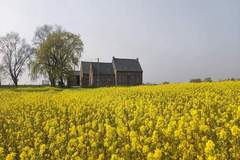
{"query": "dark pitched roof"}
pixel 85 66
pixel 132 65
pixel 102 68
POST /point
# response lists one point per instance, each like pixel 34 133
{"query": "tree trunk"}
pixel 51 79
pixel 61 82
pixel 15 81
pixel 53 82
pixel 13 77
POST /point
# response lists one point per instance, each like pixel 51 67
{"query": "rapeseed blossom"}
pixel 176 121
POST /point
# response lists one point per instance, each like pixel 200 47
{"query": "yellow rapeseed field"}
pixel 176 121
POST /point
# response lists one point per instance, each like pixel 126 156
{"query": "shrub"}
pixel 208 79
pixel 196 80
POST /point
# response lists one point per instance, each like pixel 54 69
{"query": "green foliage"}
pixel 165 82
pixel 56 55
pixel 208 79
pixel 196 80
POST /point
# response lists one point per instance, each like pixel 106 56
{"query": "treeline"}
pixel 209 79
pixel 53 53
pixel 199 80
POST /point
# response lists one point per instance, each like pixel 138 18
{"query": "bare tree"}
pixel 1 74
pixel 16 52
pixel 42 33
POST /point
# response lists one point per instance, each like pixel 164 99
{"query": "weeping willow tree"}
pixel 56 55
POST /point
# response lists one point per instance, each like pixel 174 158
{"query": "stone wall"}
pixel 84 80
pixel 128 78
pixel 101 80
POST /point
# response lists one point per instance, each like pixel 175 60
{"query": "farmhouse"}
pixel 73 79
pixel 84 73
pixel 127 71
pixel 119 72
pixel 101 74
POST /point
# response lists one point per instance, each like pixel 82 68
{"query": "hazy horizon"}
pixel 174 40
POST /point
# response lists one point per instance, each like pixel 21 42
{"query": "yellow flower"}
pixel 222 134
pixel 157 154
pixel 1 151
pixel 150 156
pixel 235 130
pixel 145 149
pixel 176 121
pixel 101 156
pixel 211 158
pixel 11 156
pixel 203 128
pixel 42 149
pixel 56 153
pixel 209 147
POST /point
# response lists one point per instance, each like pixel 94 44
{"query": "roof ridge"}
pixel 86 62
pixel 126 58
pixel 96 62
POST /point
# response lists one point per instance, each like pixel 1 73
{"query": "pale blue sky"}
pixel 175 40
